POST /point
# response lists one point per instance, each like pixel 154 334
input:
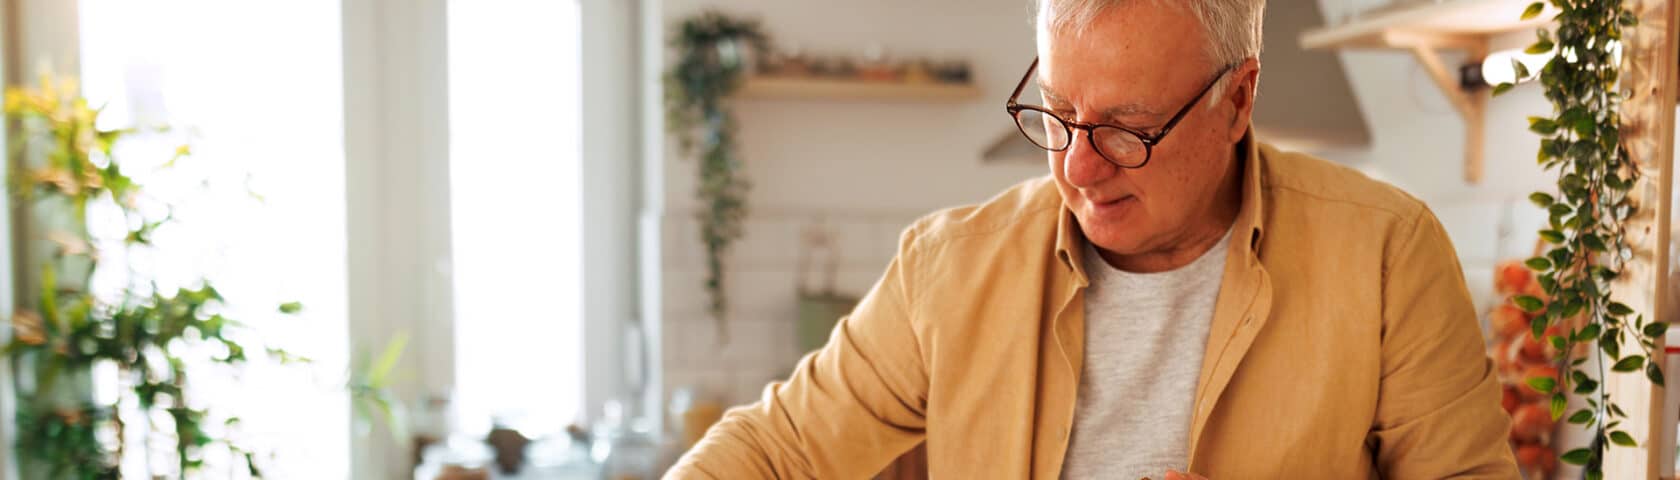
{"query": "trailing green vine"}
pixel 1586 228
pixel 710 50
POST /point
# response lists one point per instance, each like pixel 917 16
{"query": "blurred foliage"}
pixel 710 60
pixel 1587 228
pixel 63 162
pixel 370 389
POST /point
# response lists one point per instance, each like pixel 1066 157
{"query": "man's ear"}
pixel 1240 97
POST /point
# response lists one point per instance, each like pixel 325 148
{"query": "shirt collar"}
pixel 1245 233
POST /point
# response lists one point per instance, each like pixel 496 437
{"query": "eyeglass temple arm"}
pixel 1186 110
pixel 1023 85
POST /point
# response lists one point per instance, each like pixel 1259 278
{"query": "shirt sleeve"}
pixel 847 410
pixel 1438 412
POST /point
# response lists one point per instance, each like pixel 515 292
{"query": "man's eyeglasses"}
pixel 1124 147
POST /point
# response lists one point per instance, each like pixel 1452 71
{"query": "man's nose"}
pixel 1083 166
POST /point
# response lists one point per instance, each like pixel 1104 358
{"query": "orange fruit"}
pixel 1537 456
pixel 1531 421
pixel 1508 321
pixel 1511 277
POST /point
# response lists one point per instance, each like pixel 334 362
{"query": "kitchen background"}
pixel 494 181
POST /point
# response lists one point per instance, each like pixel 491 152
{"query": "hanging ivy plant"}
pixel 1581 142
pixel 710 50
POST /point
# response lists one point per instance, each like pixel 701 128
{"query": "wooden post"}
pixel 1648 79
pixel 1471 106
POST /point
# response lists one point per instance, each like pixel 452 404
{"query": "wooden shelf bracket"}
pixel 1471 105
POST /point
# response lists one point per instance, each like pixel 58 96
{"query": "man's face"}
pixel 1135 65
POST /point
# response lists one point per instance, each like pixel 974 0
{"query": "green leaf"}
pixel 1593 241
pixel 1581 416
pixel 1541 199
pixel 1528 302
pixel 1537 325
pixel 1615 182
pixel 291 307
pixel 1585 126
pixel 1533 10
pixel 1571 308
pixel 1541 384
pixel 1622 438
pixel 1539 47
pixel 1619 309
pixel 1543 126
pixel 1501 88
pixel 1610 343
pixel 380 371
pixel 1559 209
pixel 1558 405
pixel 1560 255
pixel 1538 264
pixel 1556 341
pixel 1655 373
pixel 1586 386
pixel 1551 236
pixel 1589 332
pixel 1603 273
pixel 1656 329
pixel 1629 364
pixel 1577 456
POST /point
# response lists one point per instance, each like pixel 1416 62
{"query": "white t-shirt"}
pixel 1144 337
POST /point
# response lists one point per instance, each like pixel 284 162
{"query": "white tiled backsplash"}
pixel 764 280
pixel 763 283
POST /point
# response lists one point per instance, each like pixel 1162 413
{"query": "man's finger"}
pixel 1176 475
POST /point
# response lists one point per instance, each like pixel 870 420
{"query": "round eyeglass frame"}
pixel 1147 140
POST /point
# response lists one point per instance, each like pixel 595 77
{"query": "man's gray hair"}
pixel 1232 26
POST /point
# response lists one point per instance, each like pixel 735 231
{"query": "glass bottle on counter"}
pixel 626 448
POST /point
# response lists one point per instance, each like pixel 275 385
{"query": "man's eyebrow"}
pixel 1114 112
pixel 1130 110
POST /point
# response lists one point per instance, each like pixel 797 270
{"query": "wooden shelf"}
pixel 1424 27
pixel 805 88
pixel 1453 23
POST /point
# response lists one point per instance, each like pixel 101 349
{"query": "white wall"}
pixel 866 170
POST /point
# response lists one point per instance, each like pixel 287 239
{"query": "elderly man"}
pixel 1174 297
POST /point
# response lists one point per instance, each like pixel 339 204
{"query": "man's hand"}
pixel 1176 475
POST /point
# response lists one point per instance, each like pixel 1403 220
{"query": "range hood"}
pixel 1305 101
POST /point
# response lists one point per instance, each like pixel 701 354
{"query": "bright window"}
pixel 256 87
pixel 514 192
